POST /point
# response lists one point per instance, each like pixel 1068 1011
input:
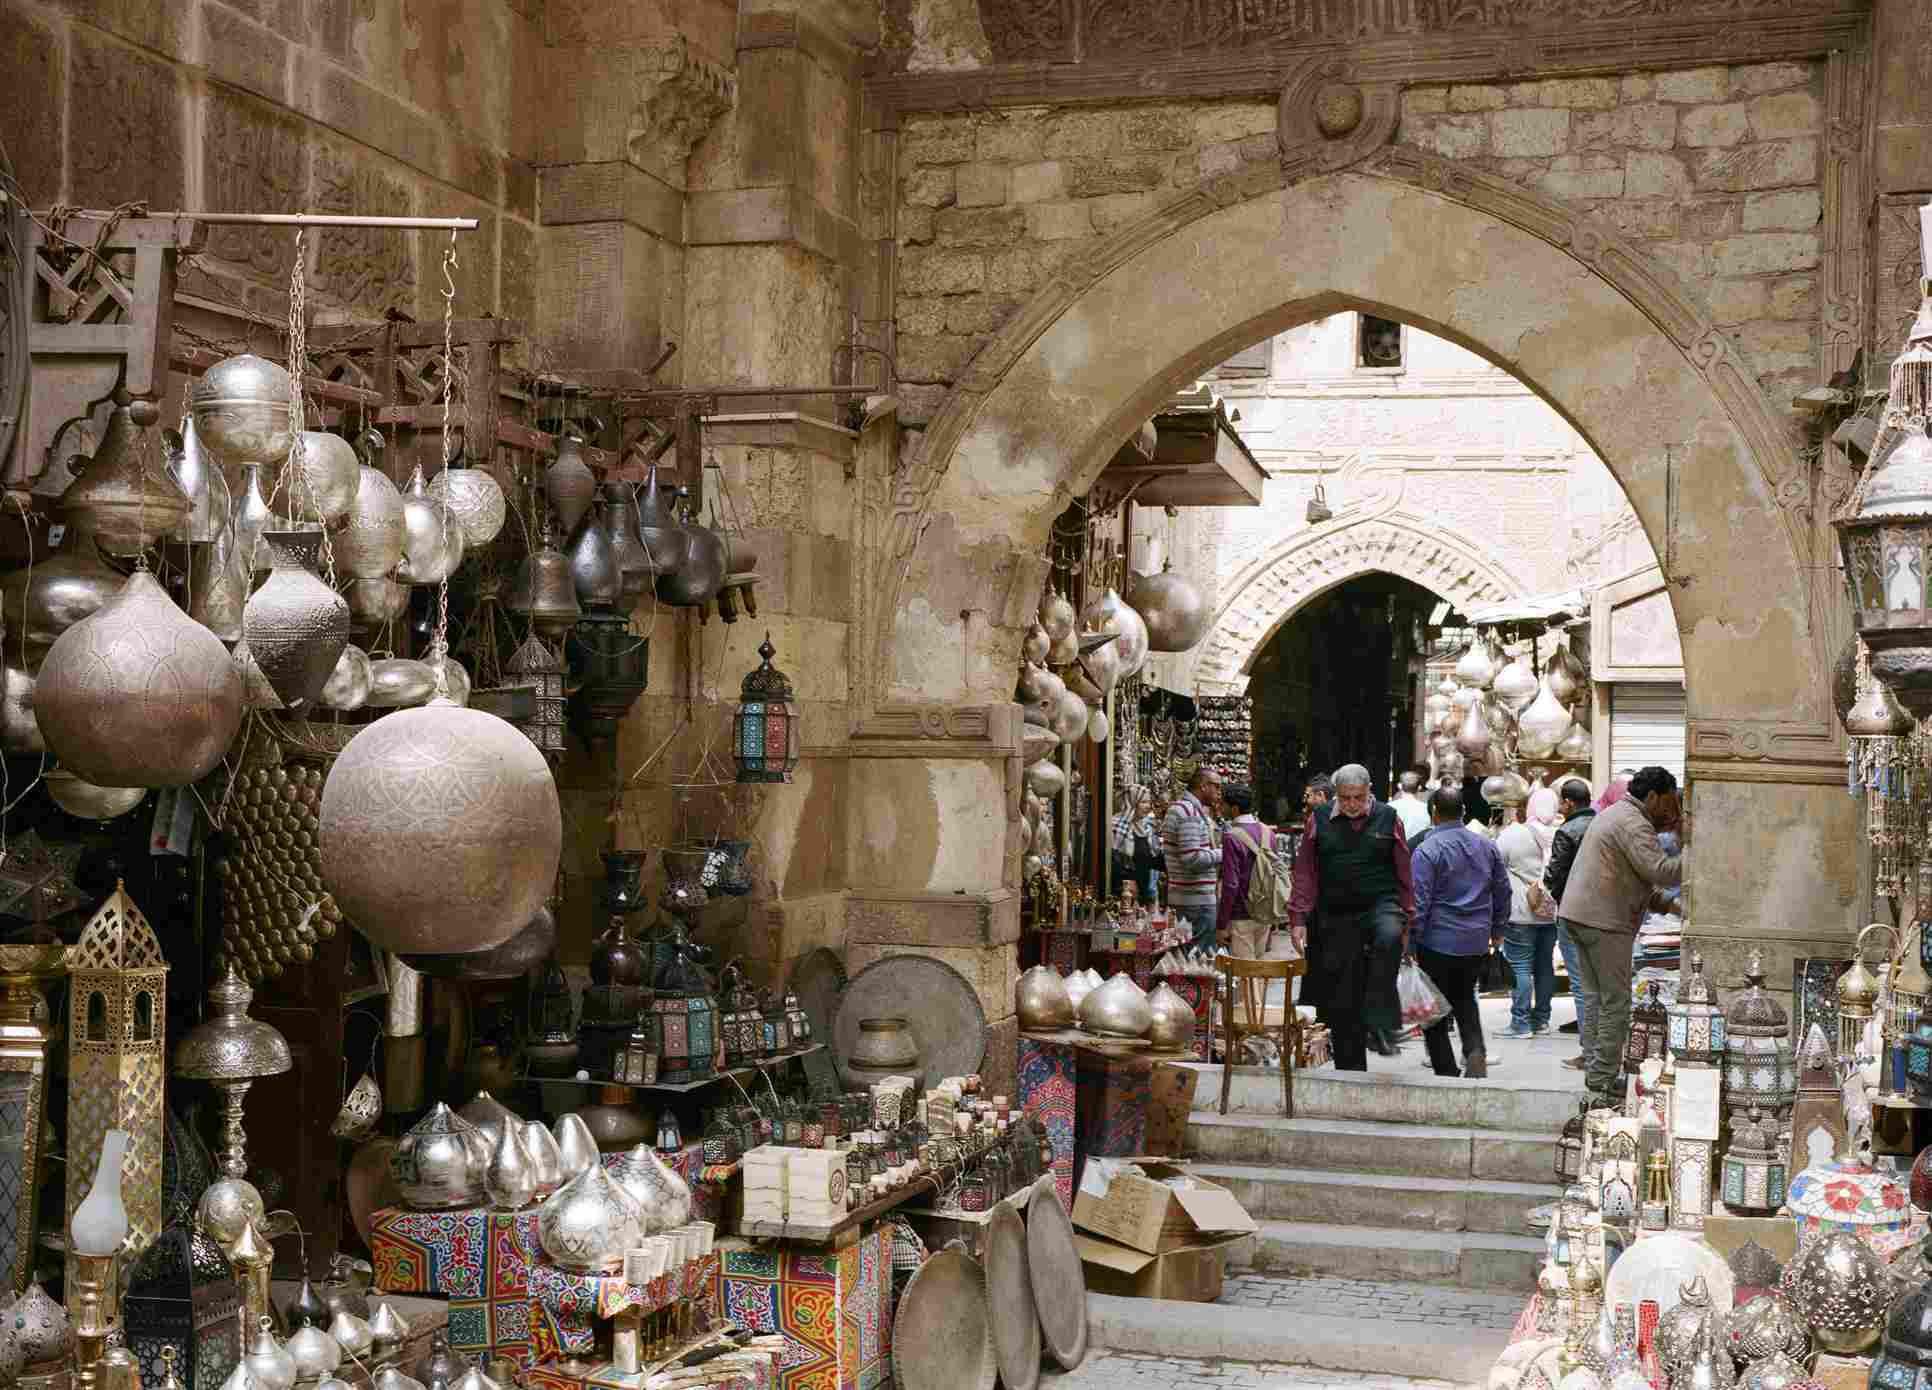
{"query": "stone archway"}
pixel 1608 337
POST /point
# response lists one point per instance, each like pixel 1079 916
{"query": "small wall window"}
pixel 144 1017
pixel 96 1017
pixel 1378 342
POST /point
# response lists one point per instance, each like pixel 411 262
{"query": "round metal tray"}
pixel 936 1000
pixel 941 1338
pixel 1059 1283
pixel 1009 1290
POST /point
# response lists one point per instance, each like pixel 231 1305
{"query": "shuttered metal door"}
pixel 1647 727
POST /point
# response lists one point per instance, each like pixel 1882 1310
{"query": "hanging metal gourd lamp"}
pixel 475 502
pixel 440 829
pixel 432 541
pixel 1886 525
pixel 125 494
pixel 1542 724
pixel 199 476
pixel 1574 747
pixel 329 481
pixel 593 563
pixel 1434 709
pixel 251 520
pixel 295 625
pixel 1173 608
pixel 241 411
pixel 1564 674
pixel 371 544
pixel 1472 738
pixel 1109 614
pixel 1515 685
pixel 46 598
pixel 544 592
pixel 1474 669
pixel 620 529
pixel 568 484
pixel 140 694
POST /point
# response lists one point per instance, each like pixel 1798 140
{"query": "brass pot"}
pixel 1041 1000
pixel 885 1047
pixel 1173 608
pixel 1119 1009
pixel 544 592
pixel 1172 1028
pixel 697 579
pixel 569 484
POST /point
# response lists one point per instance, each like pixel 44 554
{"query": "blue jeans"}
pixel 1201 918
pixel 1585 1005
pixel 1529 948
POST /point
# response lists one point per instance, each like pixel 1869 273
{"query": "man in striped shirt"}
pixel 1193 859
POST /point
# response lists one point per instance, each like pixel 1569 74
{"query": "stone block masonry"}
pixel 1715 171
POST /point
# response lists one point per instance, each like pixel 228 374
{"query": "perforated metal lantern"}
pixel 765 728
pixel 182 1295
pixel 1569 1147
pixel 613 665
pixel 1759 1067
pixel 1697 1025
pixel 1649 1027
pixel 1754 1172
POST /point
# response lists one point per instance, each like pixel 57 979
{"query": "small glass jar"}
pixel 794 1122
pixel 855 1176
pixel 973 1193
pixel 831 1125
pixel 812 1132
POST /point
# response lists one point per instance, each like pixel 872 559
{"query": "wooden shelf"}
pixel 680 1087
pixel 844 1231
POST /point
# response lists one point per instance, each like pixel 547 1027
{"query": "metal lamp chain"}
pixel 439 644
pixel 301 495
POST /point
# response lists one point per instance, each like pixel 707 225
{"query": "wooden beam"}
pixel 195 360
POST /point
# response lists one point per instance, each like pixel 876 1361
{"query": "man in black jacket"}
pixel 1573 802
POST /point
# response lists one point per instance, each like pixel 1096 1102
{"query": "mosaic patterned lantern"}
pixel 688 1024
pixel 1696 1023
pixel 1649 1027
pixel 116 1061
pixel 534 664
pixel 1854 1198
pixel 182 1296
pixel 1818 1116
pixel 1754 1171
pixel 778 1027
pixel 798 1022
pixel 23 1098
pixel 1759 1069
pixel 765 729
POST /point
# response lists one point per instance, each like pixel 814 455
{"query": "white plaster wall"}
pixel 1449 440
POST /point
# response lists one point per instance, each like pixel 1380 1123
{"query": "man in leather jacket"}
pixel 1573 804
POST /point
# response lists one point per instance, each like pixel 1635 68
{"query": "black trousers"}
pixel 1456 977
pixel 1352 960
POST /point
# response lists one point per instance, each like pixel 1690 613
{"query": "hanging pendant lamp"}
pixel 329 479
pixel 475 503
pixel 1541 726
pixel 295 624
pixel 568 484
pixel 371 545
pixel 432 541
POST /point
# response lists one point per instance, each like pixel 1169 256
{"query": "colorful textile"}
pixel 477 1258
pixel 1110 1106
pixel 549 1375
pixel 1170 1099
pixel 834 1308
pixel 1047 1085
pixel 565 1307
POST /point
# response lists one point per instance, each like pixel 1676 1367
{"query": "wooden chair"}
pixel 1234 968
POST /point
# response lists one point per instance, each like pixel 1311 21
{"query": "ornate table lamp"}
pixel 24 1036
pixel 95 1233
pixel 230 1050
pixel 1759 1069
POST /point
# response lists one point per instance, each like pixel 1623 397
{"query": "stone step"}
pixel 1470 1260
pixel 1365 1199
pixel 1365 1146
pixel 1421 1099
pixel 1368 1346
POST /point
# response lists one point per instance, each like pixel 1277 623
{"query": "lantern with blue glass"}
pixel 1904 1360
pixel 765 729
pixel 1759 1067
pixel 1753 1179
pixel 1696 1023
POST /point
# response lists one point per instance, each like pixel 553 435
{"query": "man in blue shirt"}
pixel 1461 909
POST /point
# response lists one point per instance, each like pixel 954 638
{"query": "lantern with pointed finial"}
pixel 1696 1023
pixel 1817 1116
pixel 765 729
pixel 1857 999
pixel 1759 1068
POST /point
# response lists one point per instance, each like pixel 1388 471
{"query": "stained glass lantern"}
pixel 1759 1068
pixel 638 1061
pixel 688 1022
pixel 765 729
pixel 1649 1027
pixel 534 664
pixel 612 665
pixel 1857 1000
pixel 1696 1023
pixel 1754 1167
pixel 798 1022
pixel 1918 1060
pixel 182 1295
pixel 777 1027
pixel 1908 987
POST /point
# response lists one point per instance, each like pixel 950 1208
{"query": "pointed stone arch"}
pixel 1273 588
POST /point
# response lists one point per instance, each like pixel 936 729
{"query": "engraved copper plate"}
pixel 934 998
pixel 941 1338
pixel 1059 1283
pixel 1009 1291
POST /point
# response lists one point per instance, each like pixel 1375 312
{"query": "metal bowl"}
pixel 240 409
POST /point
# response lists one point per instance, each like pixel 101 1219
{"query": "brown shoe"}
pixel 1476 1068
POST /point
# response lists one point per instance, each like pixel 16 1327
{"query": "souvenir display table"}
pixel 1110 1097
pixel 565 1307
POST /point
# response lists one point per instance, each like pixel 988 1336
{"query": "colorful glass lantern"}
pixel 1696 1023
pixel 689 1024
pixel 182 1295
pixel 1904 1360
pixel 1857 999
pixel 765 729
pixel 1759 1069
pixel 1853 1198
pixel 613 665
pixel 1649 1027
pixel 638 1061
pixel 1754 1172
pixel 798 1022
pixel 1918 1060
pixel 777 1027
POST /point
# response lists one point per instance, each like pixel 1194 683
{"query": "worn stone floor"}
pixel 1103 1370
pixel 1427 1304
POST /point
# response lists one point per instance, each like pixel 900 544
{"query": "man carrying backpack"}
pixel 1253 889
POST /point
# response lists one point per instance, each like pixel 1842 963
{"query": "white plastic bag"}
pixel 1422 1003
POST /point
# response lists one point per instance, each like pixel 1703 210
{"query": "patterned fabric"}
pixel 481 1260
pixel 834 1308
pixel 757 1375
pixel 1170 1098
pixel 1065 950
pixel 565 1307
pixel 1047 1086
pixel 1110 1106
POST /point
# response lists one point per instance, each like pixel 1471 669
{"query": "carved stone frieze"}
pixel 937 731
pixel 1327 122
pixel 679 96
pixel 364 268
pixel 254 159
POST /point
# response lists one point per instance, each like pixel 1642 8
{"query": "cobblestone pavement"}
pixel 1120 1371
pixel 1418 1303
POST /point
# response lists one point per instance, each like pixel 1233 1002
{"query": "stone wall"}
pixel 1715 170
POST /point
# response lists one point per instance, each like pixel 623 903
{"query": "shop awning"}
pixel 1196 460
pixel 1538 608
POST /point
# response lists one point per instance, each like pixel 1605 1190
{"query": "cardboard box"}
pixel 1191 1274
pixel 1144 1213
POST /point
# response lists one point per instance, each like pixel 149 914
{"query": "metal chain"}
pixel 301 495
pixel 439 644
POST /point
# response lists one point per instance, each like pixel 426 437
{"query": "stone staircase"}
pixel 1385 1176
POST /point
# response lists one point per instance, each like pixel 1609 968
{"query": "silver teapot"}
pixel 663 1198
pixel 441 1161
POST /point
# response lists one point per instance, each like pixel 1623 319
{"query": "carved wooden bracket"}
pixel 679 96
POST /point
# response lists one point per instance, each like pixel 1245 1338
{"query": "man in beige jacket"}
pixel 1617 867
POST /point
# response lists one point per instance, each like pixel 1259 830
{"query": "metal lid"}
pixel 941 1338
pixel 1009 1291
pixel 1059 1282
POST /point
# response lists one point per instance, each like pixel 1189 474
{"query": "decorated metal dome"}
pixel 1754 1012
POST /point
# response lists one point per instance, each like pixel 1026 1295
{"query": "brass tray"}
pixel 942 1336
pixel 1009 1291
pixel 1059 1283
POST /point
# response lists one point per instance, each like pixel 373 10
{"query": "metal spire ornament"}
pixel 440 827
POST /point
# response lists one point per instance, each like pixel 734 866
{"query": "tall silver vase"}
pixel 295 624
